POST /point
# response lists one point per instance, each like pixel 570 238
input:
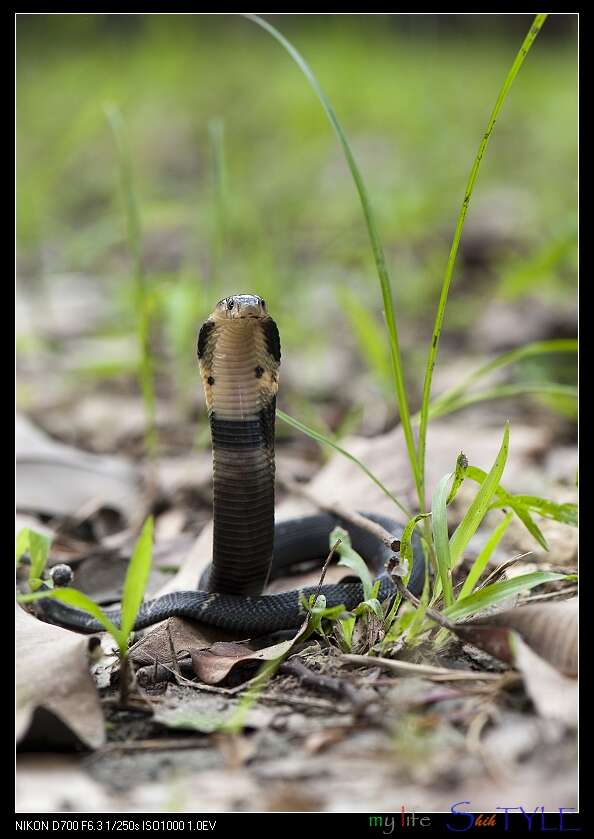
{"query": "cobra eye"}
pixel 230 304
pixel 263 303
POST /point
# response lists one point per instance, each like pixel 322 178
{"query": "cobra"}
pixel 239 355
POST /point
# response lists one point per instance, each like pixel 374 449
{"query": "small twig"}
pixel 325 568
pixel 497 572
pixel 561 593
pixel 431 613
pixel 407 667
pixel 173 653
pixel 337 509
pixel 304 701
pixel 153 745
pixel 309 678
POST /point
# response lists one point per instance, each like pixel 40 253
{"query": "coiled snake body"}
pixel 239 355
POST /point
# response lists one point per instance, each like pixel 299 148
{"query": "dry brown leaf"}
pixel 52 673
pixel 555 696
pixel 184 635
pixel 212 666
pixel 550 629
pixel 56 479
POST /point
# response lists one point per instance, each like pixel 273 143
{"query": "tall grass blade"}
pixel 320 438
pixel 433 350
pixel 376 246
pixel 143 302
pixel 216 134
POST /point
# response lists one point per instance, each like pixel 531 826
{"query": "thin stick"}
pixel 337 509
pixel 309 678
pixel 431 613
pixel 173 653
pixel 408 668
pixel 325 568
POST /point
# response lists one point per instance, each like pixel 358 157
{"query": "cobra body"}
pixel 239 356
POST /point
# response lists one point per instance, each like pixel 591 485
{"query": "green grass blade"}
pixel 320 438
pixel 564 513
pixel 480 563
pixel 351 559
pixel 439 526
pixel 137 576
pixel 216 134
pixel 376 246
pixel 72 597
pixel 505 499
pixel 496 593
pixel 434 348
pixel 505 359
pixel 368 334
pixel 480 504
pixel 143 302
pixel 503 392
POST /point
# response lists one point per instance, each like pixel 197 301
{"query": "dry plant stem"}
pixel 564 592
pixel 501 569
pixel 309 678
pixel 173 653
pixel 337 509
pixel 431 613
pixel 408 668
pixel 303 701
pixel 325 568
pixel 152 745
pixel 183 682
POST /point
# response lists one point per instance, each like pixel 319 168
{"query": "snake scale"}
pixel 239 355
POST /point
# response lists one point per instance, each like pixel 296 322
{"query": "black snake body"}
pixel 239 355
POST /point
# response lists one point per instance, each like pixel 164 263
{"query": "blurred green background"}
pixel 242 187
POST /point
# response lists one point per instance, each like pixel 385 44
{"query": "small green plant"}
pixel 449 553
pixel 134 587
pixel 443 551
pixel 36 546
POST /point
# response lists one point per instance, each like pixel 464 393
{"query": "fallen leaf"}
pixel 555 696
pixel 56 479
pixel 214 665
pixel 550 629
pixel 52 673
pixel 185 636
